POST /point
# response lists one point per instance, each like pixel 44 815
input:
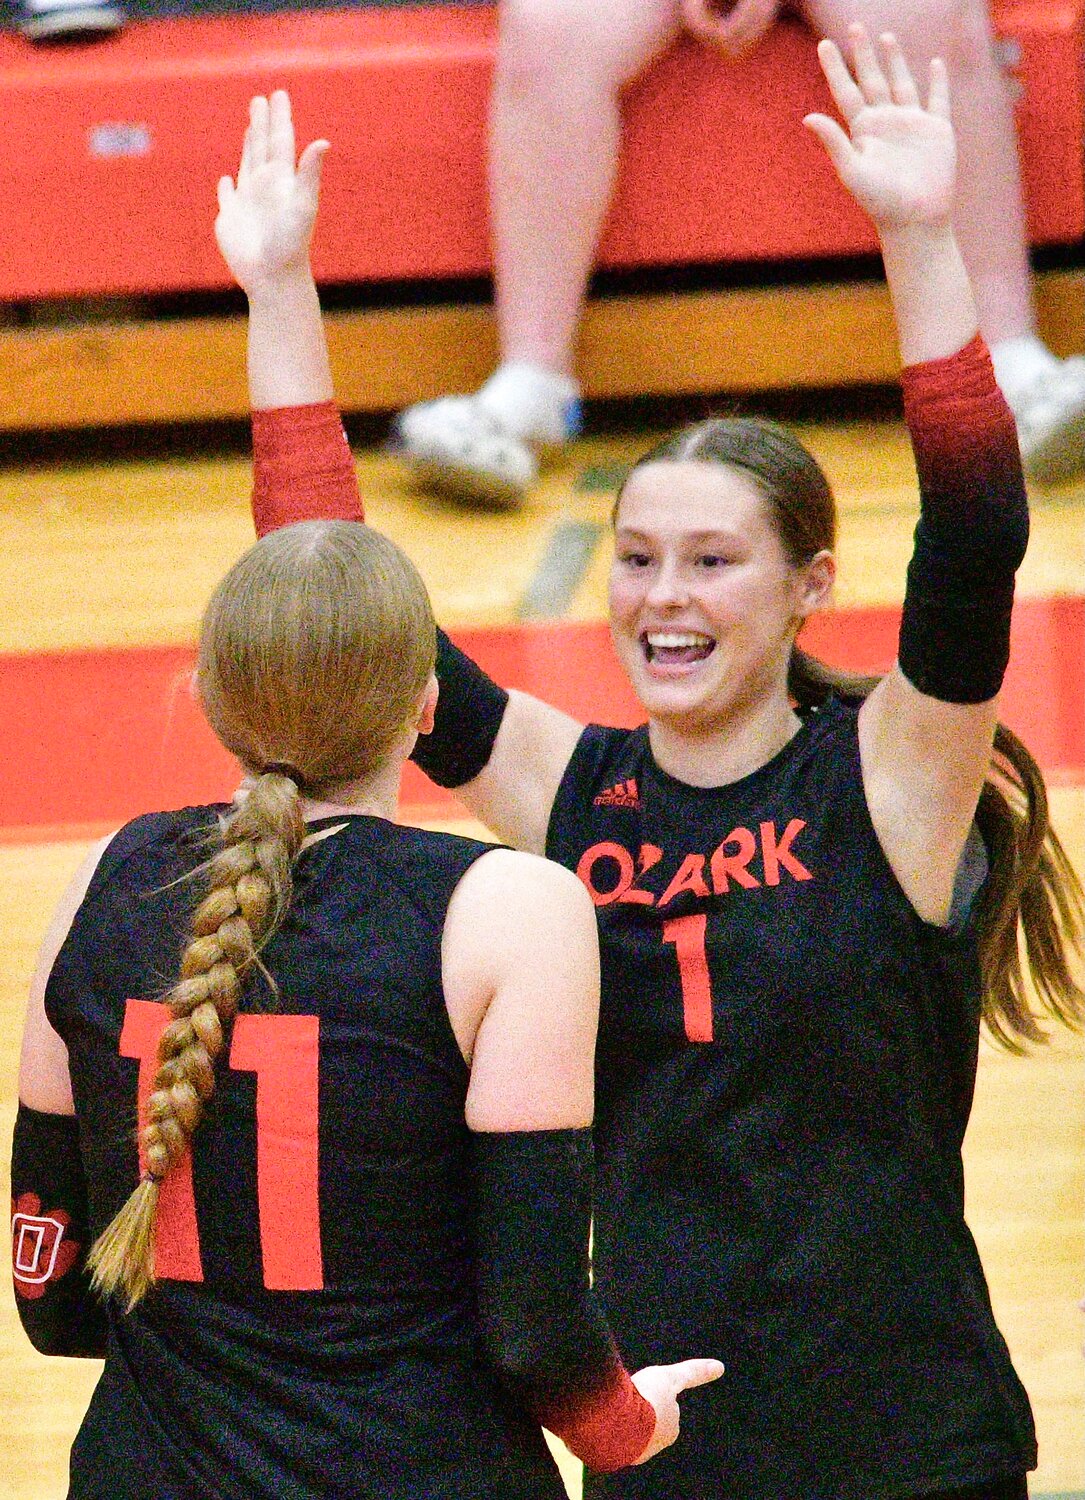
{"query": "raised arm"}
pixel 926 731
pixel 521 976
pixel 505 755
pixel 302 465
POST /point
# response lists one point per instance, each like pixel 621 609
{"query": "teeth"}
pixel 673 640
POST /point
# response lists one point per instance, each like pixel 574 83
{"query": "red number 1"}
pixel 688 936
pixel 283 1053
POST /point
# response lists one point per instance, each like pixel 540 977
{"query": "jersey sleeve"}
pixel 303 469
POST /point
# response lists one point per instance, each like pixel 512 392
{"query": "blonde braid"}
pixel 250 888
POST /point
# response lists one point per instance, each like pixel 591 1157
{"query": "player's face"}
pixel 704 604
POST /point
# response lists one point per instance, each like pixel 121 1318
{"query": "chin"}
pixel 678 704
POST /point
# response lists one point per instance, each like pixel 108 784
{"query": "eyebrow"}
pixel 697 537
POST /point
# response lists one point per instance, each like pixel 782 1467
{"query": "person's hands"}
pixel 661 1386
pixel 897 158
pixel 731 28
pixel 265 219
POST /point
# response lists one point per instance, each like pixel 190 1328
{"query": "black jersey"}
pixel 786 1062
pixel 313 1329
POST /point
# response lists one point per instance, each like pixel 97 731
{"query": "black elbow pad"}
pixel 470 708
pixel 49 1238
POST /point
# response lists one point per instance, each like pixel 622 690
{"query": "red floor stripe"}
pixel 94 737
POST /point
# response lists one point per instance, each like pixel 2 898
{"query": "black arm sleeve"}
pixel 49 1233
pixel 470 708
pixel 541 1324
pixel 972 532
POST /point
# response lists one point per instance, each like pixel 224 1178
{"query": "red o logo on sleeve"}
pixel 41 1250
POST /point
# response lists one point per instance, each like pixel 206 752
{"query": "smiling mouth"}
pixel 676 648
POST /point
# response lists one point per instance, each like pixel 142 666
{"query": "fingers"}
pixel 225 192
pixel 689 1373
pixel 847 95
pixel 833 137
pixel 280 137
pixel 901 82
pixel 310 167
pixel 244 170
pixel 938 100
pixel 256 137
pixel 868 83
pixel 868 70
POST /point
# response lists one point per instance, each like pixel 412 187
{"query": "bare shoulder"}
pixel 43 1069
pixel 64 914
pixel 521 973
pixel 517 888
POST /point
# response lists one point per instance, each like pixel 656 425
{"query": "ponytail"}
pixel 1032 899
pixel 248 893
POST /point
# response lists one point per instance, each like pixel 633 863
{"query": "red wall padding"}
pixel 109 154
pixel 94 737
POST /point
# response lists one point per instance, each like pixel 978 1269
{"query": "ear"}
pixel 428 707
pixel 816 583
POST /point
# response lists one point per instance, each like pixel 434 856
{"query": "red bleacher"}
pixel 109 153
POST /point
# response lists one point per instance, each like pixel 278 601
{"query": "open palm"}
pixel 265 219
pixel 897 157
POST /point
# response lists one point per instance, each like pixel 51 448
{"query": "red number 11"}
pixel 283 1053
pixel 688 936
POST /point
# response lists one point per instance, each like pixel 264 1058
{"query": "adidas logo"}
pixel 623 795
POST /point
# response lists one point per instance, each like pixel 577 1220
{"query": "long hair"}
pixel 1031 912
pixel 315 651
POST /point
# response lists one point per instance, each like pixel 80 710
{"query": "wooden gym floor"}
pixel 118 555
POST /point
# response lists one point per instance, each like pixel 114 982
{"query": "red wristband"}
pixel 303 469
pixel 608 1429
pixel 954 407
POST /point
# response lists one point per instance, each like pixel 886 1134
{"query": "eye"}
pixel 714 560
pixel 629 557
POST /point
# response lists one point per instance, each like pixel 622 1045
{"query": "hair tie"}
pixel 284 768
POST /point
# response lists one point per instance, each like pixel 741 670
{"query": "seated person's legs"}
pixel 554 142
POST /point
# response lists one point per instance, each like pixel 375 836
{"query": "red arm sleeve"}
pixel 541 1325
pixel 962 430
pixel 302 467
pixel 972 531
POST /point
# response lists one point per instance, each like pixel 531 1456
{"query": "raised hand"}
pixel 897 157
pixel 661 1386
pixel 265 219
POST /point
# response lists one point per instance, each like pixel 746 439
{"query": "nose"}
pixel 669 586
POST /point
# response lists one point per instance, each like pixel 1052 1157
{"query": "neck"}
pixel 716 754
pixel 377 795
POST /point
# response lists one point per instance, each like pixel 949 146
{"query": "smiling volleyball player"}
pixel 808 890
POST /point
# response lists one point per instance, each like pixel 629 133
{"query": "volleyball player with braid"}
pixel 809 888
pixel 345 1253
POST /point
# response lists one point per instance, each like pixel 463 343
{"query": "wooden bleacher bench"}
pixel 109 156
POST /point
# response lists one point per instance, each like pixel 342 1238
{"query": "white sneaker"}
pixel 68 20
pixel 1050 415
pixel 459 448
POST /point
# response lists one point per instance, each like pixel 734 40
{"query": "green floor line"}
pixel 567 557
